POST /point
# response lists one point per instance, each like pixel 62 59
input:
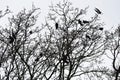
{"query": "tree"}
pixel 72 50
pixel 18 46
pixel 113 45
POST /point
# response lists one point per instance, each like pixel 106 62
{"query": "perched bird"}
pixel 56 25
pixel 85 22
pixel 11 39
pixel 98 11
pixel 41 54
pixel 87 36
pixel 80 22
pixel 101 28
pixel 30 32
pixel 64 58
pixel 37 59
pixel 0 64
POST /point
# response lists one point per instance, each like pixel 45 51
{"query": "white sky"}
pixel 110 8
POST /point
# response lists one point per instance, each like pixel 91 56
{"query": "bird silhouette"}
pixel 101 28
pixel 56 25
pixel 0 64
pixel 87 36
pixel 85 22
pixel 37 59
pixel 80 22
pixel 98 11
pixel 11 39
pixel 41 54
pixel 64 58
pixel 30 32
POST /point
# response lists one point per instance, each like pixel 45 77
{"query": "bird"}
pixel 30 32
pixel 41 54
pixel 11 39
pixel 37 59
pixel 56 25
pixel 64 58
pixel 98 11
pixel 101 28
pixel 0 64
pixel 85 22
pixel 87 36
pixel 80 22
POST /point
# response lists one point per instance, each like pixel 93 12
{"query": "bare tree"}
pixel 75 46
pixel 66 47
pixel 113 47
pixel 19 46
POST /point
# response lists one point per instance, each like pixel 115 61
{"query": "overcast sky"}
pixel 110 8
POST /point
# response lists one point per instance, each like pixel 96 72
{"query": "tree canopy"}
pixel 66 46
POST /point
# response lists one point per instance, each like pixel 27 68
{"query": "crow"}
pixel 87 36
pixel 0 64
pixel 11 39
pixel 37 59
pixel 41 54
pixel 30 32
pixel 85 22
pixel 101 28
pixel 98 11
pixel 56 25
pixel 80 22
pixel 64 58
